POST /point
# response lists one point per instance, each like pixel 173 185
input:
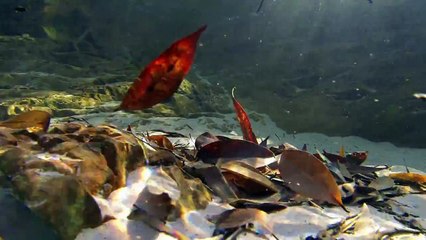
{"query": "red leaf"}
pixel 162 77
pixel 244 120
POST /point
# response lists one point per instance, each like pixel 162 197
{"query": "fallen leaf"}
pixel 163 76
pixel 267 206
pixel 238 217
pixel 231 150
pixel 32 121
pixel 357 158
pixel 244 120
pixel 248 178
pixel 409 177
pixel 382 183
pixel 161 141
pixel 155 205
pixel 205 139
pixel 307 175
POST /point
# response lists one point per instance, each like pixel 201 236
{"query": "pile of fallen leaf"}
pixel 58 171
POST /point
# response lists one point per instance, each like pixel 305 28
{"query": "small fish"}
pixel 370 1
pixel 20 9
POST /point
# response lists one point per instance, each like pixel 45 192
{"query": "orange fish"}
pixel 163 76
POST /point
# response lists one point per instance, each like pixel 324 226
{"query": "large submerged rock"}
pixel 56 174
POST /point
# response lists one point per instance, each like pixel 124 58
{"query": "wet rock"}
pixel 16 216
pixel 70 127
pixel 93 170
pixel 12 159
pixel 116 154
pixel 62 200
pixel 6 138
pixel 47 141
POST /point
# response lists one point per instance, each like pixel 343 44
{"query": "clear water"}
pixel 335 67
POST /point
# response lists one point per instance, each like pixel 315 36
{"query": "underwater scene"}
pixel 224 119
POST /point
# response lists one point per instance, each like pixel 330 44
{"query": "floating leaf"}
pixel 307 175
pixel 32 121
pixel 244 120
pixel 232 149
pixel 163 76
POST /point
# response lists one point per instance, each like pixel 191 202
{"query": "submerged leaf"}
pixel 307 175
pixel 193 194
pixel 232 149
pixel 238 217
pixel 382 183
pixel 409 177
pixel 155 205
pixel 212 177
pixel 163 76
pixel 267 206
pixel 244 120
pixel 161 141
pixel 248 178
pixel 205 139
pixel 32 121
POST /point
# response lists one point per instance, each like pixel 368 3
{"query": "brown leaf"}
pixel 238 217
pixel 248 178
pixel 205 139
pixel 232 149
pixel 307 175
pixel 155 205
pixel 32 121
pixel 212 177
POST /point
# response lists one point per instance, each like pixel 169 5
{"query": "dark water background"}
pixel 339 67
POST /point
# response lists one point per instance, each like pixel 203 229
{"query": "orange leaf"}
pixel 244 120
pixel 32 121
pixel 409 177
pixel 162 77
pixel 307 175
